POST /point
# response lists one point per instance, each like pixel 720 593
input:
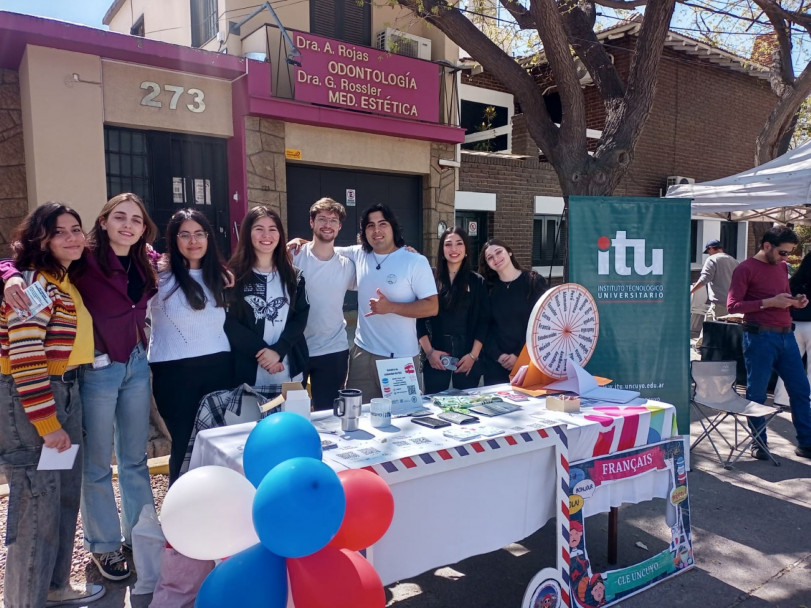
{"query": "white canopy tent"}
pixel 778 191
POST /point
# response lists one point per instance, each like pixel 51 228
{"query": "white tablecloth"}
pixel 457 499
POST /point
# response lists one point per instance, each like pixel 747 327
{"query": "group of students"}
pixel 77 371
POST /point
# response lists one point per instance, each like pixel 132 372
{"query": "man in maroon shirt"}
pixel 760 291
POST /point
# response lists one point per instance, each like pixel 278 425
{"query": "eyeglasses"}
pixel 783 253
pixel 188 237
pixel 328 221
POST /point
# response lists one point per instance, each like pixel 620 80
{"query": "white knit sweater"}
pixel 179 331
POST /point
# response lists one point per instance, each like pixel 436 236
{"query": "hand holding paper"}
pixel 52 459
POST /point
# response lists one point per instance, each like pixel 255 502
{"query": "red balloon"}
pixel 369 510
pixel 335 578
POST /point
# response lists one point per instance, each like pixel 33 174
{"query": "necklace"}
pixel 511 281
pixel 379 263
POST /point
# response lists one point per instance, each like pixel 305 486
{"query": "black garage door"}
pixel 402 194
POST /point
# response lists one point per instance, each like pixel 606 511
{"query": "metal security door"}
pixel 401 193
pixel 171 171
pixel 475 223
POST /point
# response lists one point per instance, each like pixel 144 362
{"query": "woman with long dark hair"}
pixel 513 293
pixel 188 350
pixel 268 307
pixel 458 331
pixel 116 285
pixel 799 283
pixel 41 352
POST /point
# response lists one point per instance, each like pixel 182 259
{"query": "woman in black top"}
pixel 460 327
pixel 513 293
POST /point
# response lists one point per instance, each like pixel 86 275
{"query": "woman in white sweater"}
pixel 189 353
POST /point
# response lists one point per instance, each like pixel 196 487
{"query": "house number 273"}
pixel 197 105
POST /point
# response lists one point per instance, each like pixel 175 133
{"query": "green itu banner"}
pixel 633 255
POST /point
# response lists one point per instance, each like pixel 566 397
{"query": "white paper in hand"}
pixel 52 459
pixel 38 296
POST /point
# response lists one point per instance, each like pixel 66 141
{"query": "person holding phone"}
pixel 41 352
pixel 760 290
pixel 452 340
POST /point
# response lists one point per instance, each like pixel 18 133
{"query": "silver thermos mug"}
pixel 347 407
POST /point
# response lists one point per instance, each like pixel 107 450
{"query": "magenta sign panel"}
pixel 341 74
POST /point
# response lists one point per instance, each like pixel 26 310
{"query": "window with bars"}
pixel 127 156
pixel 203 21
pixel 548 240
pixel 347 20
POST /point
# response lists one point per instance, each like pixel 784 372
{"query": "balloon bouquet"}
pixel 290 516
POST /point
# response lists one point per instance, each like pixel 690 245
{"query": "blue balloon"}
pixel 253 578
pixel 298 507
pixel 273 440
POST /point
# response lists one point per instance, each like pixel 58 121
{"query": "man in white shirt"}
pixel 328 277
pixel 395 288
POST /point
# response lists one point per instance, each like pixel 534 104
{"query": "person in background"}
pixel 460 327
pixel 267 307
pixel 328 277
pixel 189 352
pixel 760 290
pixel 116 285
pixel 40 407
pixel 513 293
pixel 716 274
pixel 799 284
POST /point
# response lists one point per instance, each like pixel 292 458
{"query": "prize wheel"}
pixel 564 324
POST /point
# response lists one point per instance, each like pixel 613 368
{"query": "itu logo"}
pixel 620 245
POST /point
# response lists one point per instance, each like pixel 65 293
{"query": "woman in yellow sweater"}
pixel 41 354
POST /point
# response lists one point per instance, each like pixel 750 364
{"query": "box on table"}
pixel 294 398
pixel 563 403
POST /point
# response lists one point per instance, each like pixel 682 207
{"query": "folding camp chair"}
pixel 715 400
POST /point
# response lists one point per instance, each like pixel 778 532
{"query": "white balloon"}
pixel 207 513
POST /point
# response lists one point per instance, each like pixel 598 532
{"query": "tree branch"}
pixel 767 145
pixel 592 53
pixel 519 13
pixel 450 21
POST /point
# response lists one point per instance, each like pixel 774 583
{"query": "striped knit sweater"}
pixel 34 348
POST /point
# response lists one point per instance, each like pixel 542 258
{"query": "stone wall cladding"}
pixel 438 197
pixel 267 177
pixel 13 187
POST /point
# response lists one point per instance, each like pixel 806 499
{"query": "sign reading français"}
pixel 361 78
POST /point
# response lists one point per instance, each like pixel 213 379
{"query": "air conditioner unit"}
pixel 678 180
pixel 403 43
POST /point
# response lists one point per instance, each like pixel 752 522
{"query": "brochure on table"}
pixel 398 382
pixel 581 382
pixel 403 438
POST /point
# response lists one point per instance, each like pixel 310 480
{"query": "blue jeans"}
pixel 116 401
pixel 769 350
pixel 43 505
